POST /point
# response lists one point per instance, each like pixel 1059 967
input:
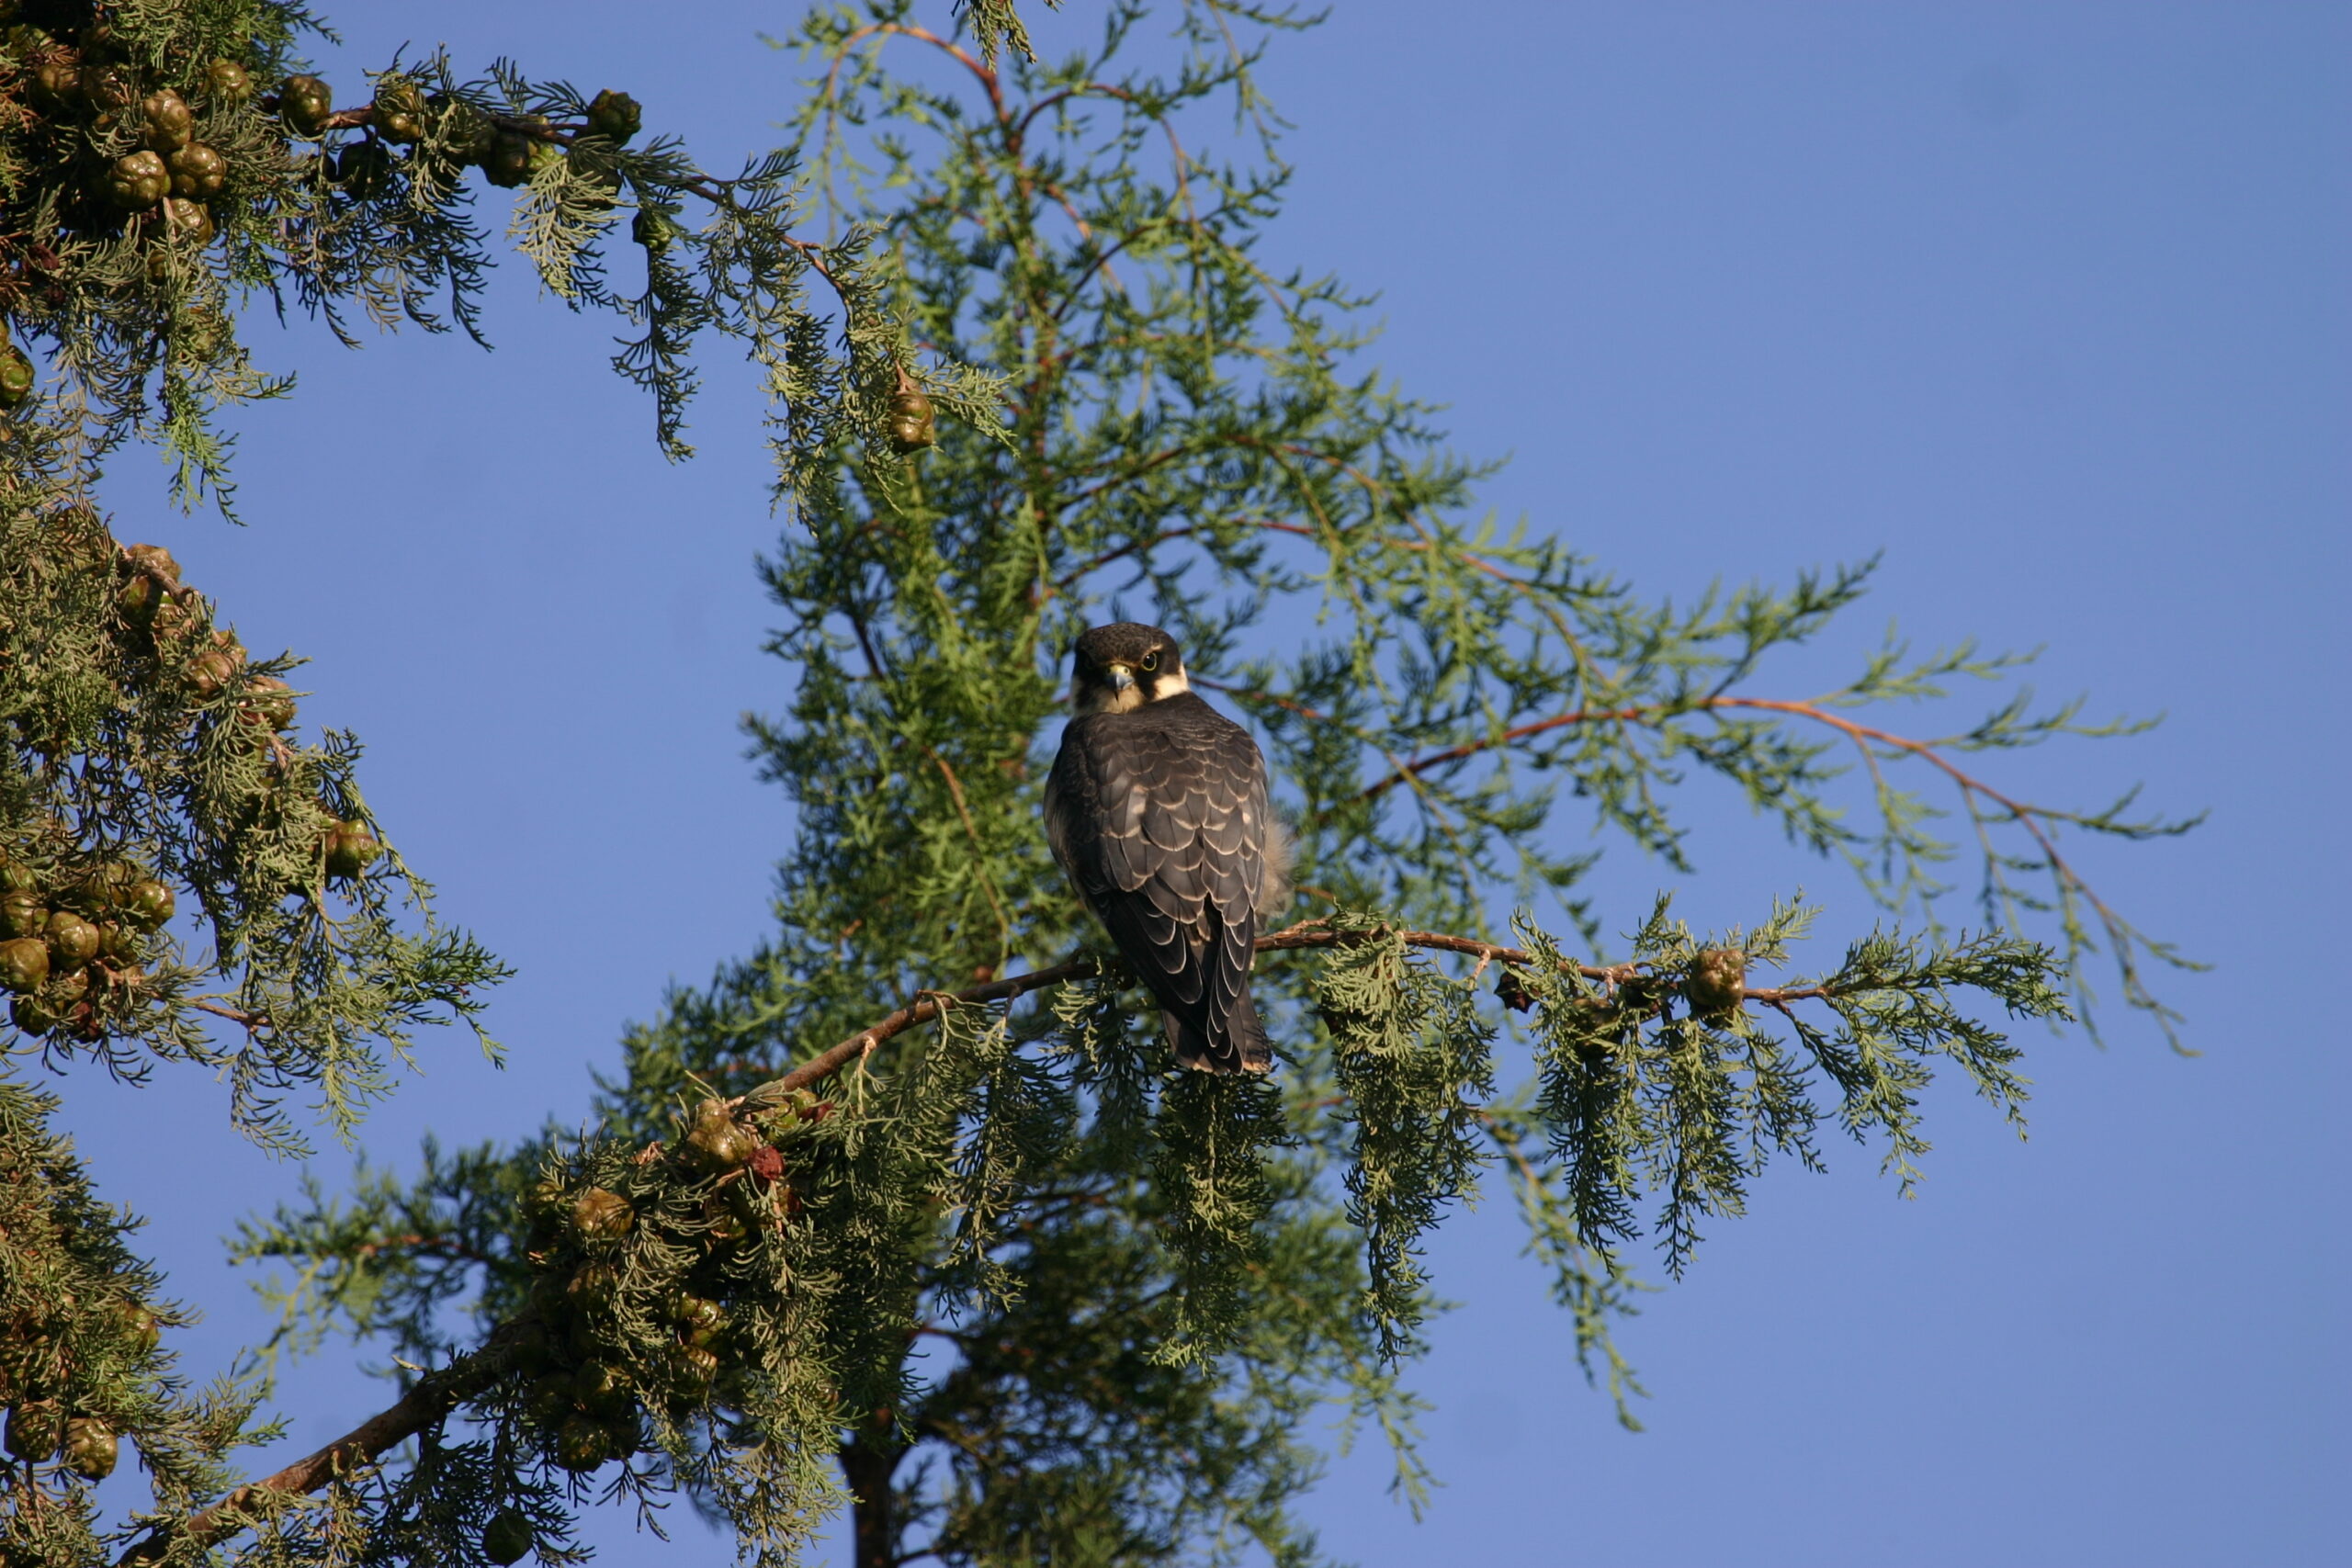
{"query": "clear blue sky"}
pixel 2048 301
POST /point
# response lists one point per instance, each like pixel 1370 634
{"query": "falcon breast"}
pixel 1157 810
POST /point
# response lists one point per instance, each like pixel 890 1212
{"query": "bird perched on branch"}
pixel 1157 810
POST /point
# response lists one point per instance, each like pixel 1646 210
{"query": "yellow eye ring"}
pixel 1151 661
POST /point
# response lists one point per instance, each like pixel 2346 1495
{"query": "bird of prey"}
pixel 1157 810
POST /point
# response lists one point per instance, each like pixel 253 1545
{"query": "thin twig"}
pixel 972 832
pixel 1307 935
pixel 249 1021
pixel 441 1392
pixel 434 1397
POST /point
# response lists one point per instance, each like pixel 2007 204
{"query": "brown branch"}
pixel 1420 765
pixel 1514 1149
pixel 826 1064
pixel 1251 692
pixel 563 133
pixel 1863 735
pixel 931 1004
pixel 1138 547
pixel 440 1392
pixel 415 1242
pixel 1133 546
pixel 434 1397
pixel 2021 813
pixel 1307 934
pixel 249 1021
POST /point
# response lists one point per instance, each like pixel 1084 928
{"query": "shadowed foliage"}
pixel 907 1212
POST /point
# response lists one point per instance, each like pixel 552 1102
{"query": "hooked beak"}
pixel 1122 677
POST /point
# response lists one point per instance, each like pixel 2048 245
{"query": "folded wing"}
pixel 1158 816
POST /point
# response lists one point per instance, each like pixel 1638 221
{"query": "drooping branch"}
pixel 563 133
pixel 434 1395
pixel 438 1394
pixel 1985 802
pixel 1315 933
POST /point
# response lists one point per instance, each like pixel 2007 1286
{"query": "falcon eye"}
pixel 1151 661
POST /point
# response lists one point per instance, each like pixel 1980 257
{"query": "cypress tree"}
pixel 908 1212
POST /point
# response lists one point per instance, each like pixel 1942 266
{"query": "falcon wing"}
pixel 1159 819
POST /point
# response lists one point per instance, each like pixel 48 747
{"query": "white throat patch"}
pixel 1129 697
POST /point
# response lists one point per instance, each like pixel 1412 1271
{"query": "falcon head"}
pixel 1118 668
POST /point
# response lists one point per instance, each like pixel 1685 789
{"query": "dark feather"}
pixel 1159 816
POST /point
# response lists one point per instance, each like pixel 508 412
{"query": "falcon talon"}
pixel 1157 811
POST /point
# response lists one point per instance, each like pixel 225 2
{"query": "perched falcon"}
pixel 1157 810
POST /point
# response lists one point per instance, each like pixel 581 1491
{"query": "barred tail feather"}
pixel 1239 1046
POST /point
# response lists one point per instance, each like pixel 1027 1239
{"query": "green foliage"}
pixel 995 24
pixel 826 1271
pixel 188 879
pixel 367 210
pixel 1215 1137
pixel 1415 1062
pixel 1076 1301
pixel 989 1270
pixel 1639 1099
pixel 81 1364
pixel 146 745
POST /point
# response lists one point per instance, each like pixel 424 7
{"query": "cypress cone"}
pixel 912 423
pixel 197 171
pixel 170 123
pixel 600 1215
pixel 594 1285
pixel 149 904
pixel 16 377
pixel 582 1445
pixel 508 162
pixel 91 1448
pixel 24 963
pixel 304 105
pixel 268 700
pixel 364 169
pixel 146 1328
pixel 57 84
pixel 507 1536
pixel 615 115
pixel 1716 982
pixel 35 1430
pixel 72 940
pixel 400 109
pixel 187 220
pixel 468 135
pixel 22 914
pixel 717 1142
pixel 350 850
pixel 108 89
pixel 228 82
pixel 137 182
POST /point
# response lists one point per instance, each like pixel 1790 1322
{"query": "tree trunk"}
pixel 868 1467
